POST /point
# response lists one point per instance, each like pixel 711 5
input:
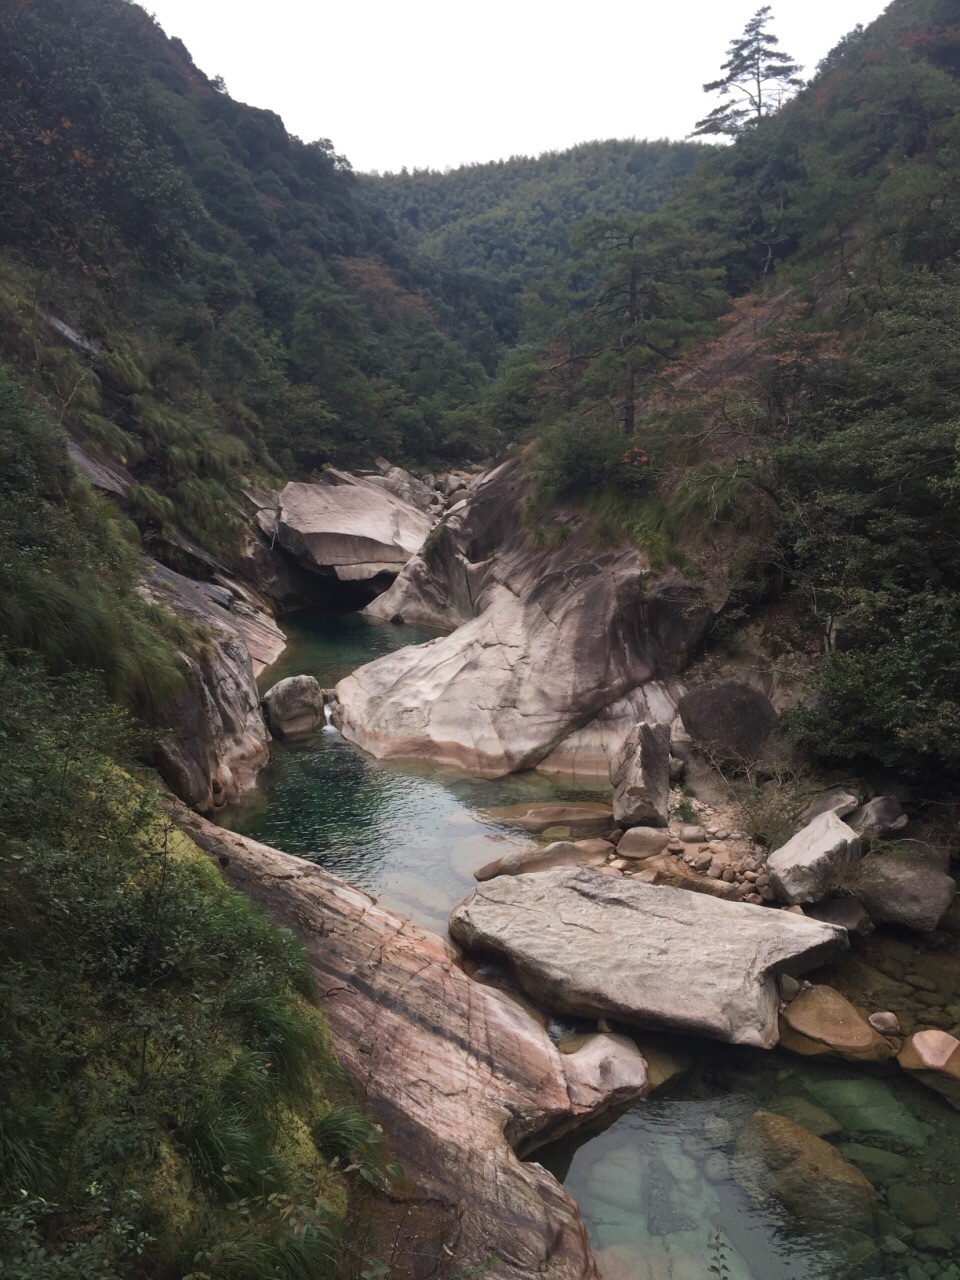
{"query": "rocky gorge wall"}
pixel 544 643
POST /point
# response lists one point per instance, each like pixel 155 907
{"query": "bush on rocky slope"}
pixel 166 1085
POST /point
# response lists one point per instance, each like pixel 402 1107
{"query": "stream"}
pixel 662 1190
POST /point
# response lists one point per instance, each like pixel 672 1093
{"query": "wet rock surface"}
pixel 822 1021
pixel 809 1175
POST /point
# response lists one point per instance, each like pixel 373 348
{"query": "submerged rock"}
pixel 807 1114
pixel 294 706
pixel 461 1074
pixel 809 1175
pixel 866 1107
pixel 640 774
pixel 540 817
pixel 821 1021
pixel 809 865
pixel 656 957
pixel 878 1165
pixel 562 853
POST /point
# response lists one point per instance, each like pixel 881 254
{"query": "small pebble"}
pixel 887 1023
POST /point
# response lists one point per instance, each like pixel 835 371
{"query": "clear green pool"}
pixel 656 1185
pixel 411 834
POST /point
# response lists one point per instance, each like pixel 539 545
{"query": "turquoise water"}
pixel 657 1185
pixel 412 835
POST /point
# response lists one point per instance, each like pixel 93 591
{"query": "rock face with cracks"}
pixel 461 1075
pixel 544 640
pixel 586 944
pixel 217 741
pixel 640 774
pixel 346 526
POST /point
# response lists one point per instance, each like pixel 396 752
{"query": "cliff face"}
pixel 544 640
pixel 217 740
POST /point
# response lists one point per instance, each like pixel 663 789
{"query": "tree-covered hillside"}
pixel 512 218
pixel 816 444
pixel 248 309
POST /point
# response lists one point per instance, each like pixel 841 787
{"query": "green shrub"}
pixel 581 457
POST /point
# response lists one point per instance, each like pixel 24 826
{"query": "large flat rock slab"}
pixel 461 1074
pixel 657 957
pixel 345 525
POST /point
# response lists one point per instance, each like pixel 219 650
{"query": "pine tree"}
pixel 758 73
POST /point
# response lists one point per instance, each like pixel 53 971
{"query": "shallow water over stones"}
pixel 656 1185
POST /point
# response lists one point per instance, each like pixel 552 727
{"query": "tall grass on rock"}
pixel 68 566
pixel 162 1070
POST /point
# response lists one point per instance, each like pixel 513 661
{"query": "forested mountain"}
pixel 762 365
pixel 252 310
pixel 742 357
pixel 512 218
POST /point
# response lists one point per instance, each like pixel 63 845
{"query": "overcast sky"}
pixel 436 83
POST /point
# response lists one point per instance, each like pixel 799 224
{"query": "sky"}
pixel 436 83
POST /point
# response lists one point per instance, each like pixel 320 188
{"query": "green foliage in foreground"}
pixel 162 1070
